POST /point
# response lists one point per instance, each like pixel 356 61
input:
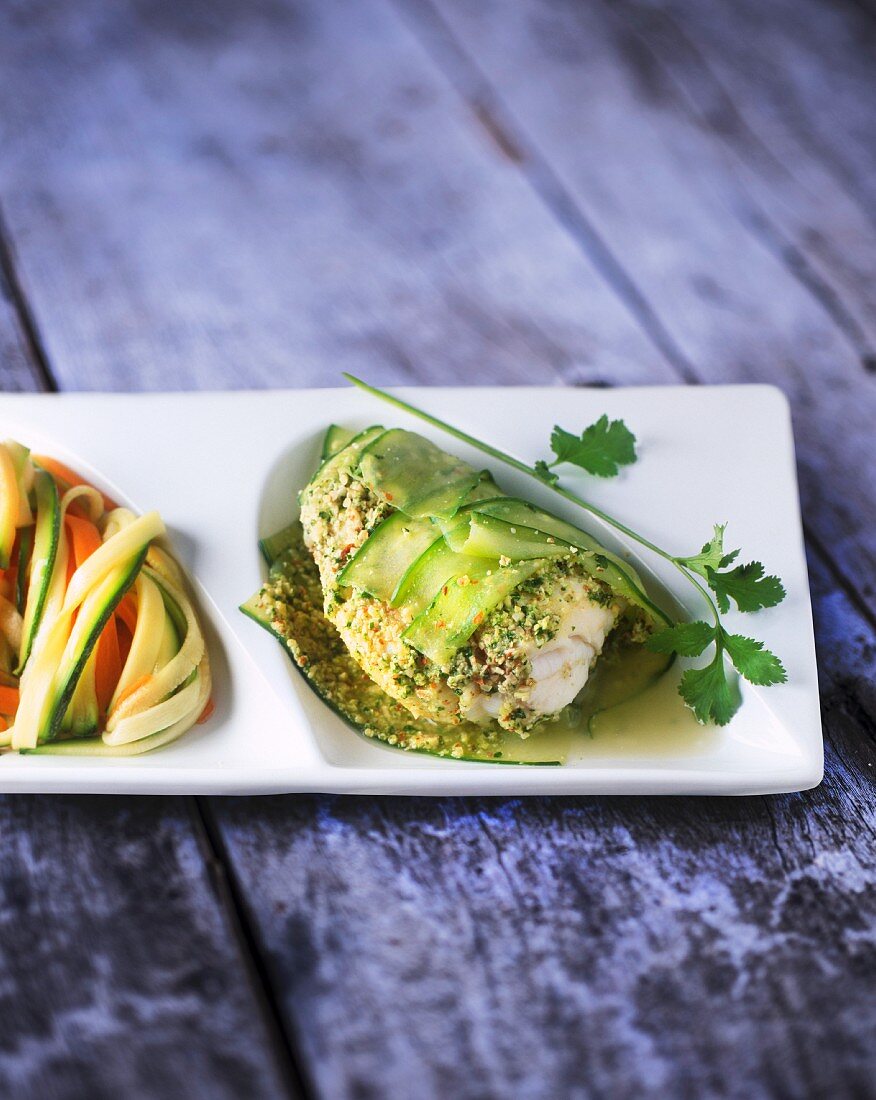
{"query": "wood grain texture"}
pixel 712 208
pixel 801 89
pixel 204 195
pixel 120 972
pixel 269 194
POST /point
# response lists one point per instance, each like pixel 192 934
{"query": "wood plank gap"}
pixel 764 152
pixel 230 897
pixel 774 833
pixel 864 6
pixel 788 253
pixel 857 713
pixel 26 319
pixel 843 583
pixel 470 82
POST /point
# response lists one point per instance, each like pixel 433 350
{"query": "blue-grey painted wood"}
pixel 120 969
pixel 218 195
pixel 803 88
pixel 269 194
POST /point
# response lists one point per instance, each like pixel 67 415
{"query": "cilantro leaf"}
pixel 601 449
pixel 708 693
pixel 747 586
pixel 712 554
pixel 757 664
pixel 685 639
pixel 546 473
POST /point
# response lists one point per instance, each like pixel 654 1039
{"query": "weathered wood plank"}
pixel 793 96
pixel 268 195
pixel 172 174
pixel 794 119
pixel 618 117
pixel 120 973
pixel 599 947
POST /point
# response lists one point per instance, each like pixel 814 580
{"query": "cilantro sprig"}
pixel 706 690
pixel 747 585
pixel 601 450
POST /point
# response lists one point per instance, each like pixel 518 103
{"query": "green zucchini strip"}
pixel 42 563
pixel 47 690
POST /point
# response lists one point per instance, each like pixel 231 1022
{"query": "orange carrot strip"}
pixel 127 612
pixel 8 700
pixel 9 576
pixel 131 688
pixel 108 664
pixel 60 472
pixel 207 711
pixel 84 536
pixel 12 571
pixel 125 639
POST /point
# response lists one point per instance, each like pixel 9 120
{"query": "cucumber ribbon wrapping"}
pixel 101 652
pixel 448 523
pixel 452 521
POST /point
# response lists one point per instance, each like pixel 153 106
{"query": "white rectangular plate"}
pixel 225 468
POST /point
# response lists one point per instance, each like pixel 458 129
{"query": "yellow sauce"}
pixel 633 710
pixel 629 706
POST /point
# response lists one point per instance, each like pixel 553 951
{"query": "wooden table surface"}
pixel 225 194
